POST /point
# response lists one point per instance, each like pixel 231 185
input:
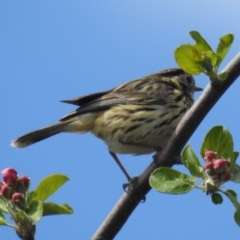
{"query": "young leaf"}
pixel 201 43
pixel 191 162
pixel 48 186
pixel 234 159
pixel 50 208
pixel 184 57
pixel 212 57
pixel 3 204
pixel 236 174
pixel 222 76
pixel 35 210
pixel 2 219
pixel 217 198
pixel 219 140
pixel 170 181
pixel 232 197
pixel 237 216
pixel 224 46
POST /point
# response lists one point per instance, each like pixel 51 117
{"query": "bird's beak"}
pixel 198 89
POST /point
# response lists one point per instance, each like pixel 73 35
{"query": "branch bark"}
pixel 189 123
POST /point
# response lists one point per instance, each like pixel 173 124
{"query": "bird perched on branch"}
pixel 137 117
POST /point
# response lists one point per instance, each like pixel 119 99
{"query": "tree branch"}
pixel 191 120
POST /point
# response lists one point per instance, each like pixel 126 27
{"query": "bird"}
pixel 137 117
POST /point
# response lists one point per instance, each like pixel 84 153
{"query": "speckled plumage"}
pixel 136 117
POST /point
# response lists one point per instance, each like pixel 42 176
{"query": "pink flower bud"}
pixel 209 169
pixel 226 176
pixel 1 184
pixel 215 179
pixel 9 176
pixel 209 165
pixel 221 165
pixel 210 156
pixel 24 181
pixel 6 191
pixel 17 197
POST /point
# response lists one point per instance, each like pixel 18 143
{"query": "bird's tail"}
pixel 39 135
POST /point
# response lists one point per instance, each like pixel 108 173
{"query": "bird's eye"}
pixel 189 80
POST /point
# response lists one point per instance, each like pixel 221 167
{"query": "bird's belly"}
pixel 136 129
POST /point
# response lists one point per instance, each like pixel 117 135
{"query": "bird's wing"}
pixel 106 101
pixel 144 91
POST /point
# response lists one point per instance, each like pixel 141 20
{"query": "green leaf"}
pixel 20 216
pixel 50 208
pixel 237 216
pixel 222 76
pixel 224 46
pixel 184 57
pixel 212 57
pixel 2 219
pixel 170 181
pixel 3 204
pixel 35 210
pixel 217 198
pixel 191 162
pixel 48 186
pixel 234 159
pixel 219 140
pixel 232 197
pixel 236 174
pixel 201 43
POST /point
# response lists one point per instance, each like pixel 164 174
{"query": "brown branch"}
pixel 28 233
pixel 191 120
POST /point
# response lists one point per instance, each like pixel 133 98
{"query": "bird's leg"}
pixel 120 165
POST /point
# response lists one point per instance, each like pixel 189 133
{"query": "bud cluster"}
pixel 216 169
pixel 14 188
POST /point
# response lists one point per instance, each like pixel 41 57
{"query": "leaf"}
pixel 184 58
pixel 217 198
pixel 234 159
pixel 170 181
pixel 35 210
pixel 50 208
pixel 219 140
pixel 232 197
pixel 201 43
pixel 224 46
pixel 191 162
pixel 236 174
pixel 20 217
pixel 212 57
pixel 3 204
pixel 237 216
pixel 2 219
pixel 222 76
pixel 48 186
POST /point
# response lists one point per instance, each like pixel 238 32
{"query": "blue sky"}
pixel 54 50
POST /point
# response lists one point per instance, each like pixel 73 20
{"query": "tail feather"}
pixel 38 135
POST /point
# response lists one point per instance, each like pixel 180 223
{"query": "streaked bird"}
pixel 137 117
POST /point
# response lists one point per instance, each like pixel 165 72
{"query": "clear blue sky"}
pixel 54 50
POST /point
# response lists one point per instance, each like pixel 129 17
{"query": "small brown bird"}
pixel 137 117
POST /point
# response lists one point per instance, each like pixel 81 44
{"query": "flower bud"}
pixel 6 191
pixel 210 156
pixel 215 179
pixel 9 176
pixel 1 184
pixel 221 165
pixel 209 169
pixel 226 176
pixel 18 198
pixel 24 181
